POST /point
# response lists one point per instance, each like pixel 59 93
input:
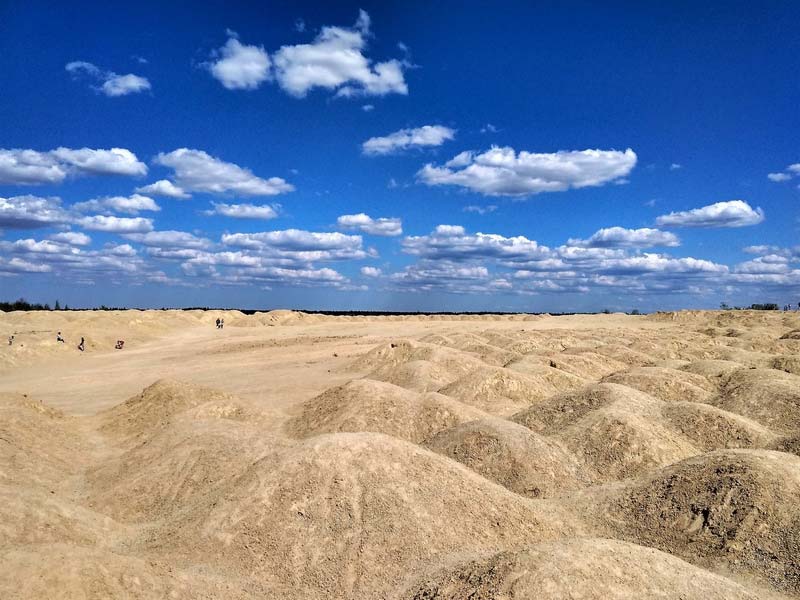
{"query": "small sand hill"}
pixel 176 467
pixel 789 364
pixel 734 509
pixel 617 352
pixel 710 428
pixel 351 515
pixel 712 369
pixel 37 444
pixel 417 366
pixel 84 573
pixel 511 455
pixel 625 439
pixel 36 515
pixel 143 414
pixel 794 334
pixel 587 365
pixel 367 405
pixel 558 412
pixel 768 396
pixel 589 569
pixel 500 391
pixel 669 385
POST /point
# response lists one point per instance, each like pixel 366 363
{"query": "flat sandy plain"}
pixel 300 456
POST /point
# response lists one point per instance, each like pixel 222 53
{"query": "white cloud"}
pixel 73 238
pixel 371 272
pixel 164 187
pixel 169 239
pixel 619 237
pixel 779 177
pixel 481 210
pixel 198 171
pixel 451 242
pixel 504 172
pixel 425 136
pixel 116 224
pixel 18 265
pixel 734 213
pixel 131 205
pixel 31 212
pixel 335 61
pixel 675 167
pixel 111 84
pixel 292 246
pixel 243 211
pixel 31 167
pixel 368 107
pixel 384 226
pixel 240 67
pixel 489 128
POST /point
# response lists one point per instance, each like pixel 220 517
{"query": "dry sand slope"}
pixel 301 456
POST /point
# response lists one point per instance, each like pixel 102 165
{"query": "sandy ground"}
pixel 300 456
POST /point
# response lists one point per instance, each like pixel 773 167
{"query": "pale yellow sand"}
pixel 303 456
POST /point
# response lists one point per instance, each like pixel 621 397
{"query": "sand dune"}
pixel 309 456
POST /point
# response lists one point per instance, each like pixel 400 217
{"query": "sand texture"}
pixel 303 456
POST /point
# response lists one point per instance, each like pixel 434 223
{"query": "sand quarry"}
pixel 300 456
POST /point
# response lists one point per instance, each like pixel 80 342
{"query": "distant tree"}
pixel 606 311
pixel 635 311
pixel 766 306
pixel 57 306
pixel 66 307
pixel 724 306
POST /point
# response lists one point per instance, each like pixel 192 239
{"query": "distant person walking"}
pixel 217 323
pixel 11 340
pixel 59 338
pixel 221 323
pixel 81 345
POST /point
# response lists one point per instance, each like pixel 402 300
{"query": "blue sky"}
pixel 386 156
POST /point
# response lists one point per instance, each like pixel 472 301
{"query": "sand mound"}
pixel 710 428
pixel 617 352
pixel 597 569
pixel 794 334
pixel 669 385
pixel 768 396
pixel 732 508
pixel 37 443
pixel 367 405
pixel 348 515
pixel 502 391
pixel 83 573
pixel 511 455
pixel 175 468
pixel 154 408
pixel 625 439
pixel 587 365
pixel 711 369
pixel 557 412
pixel 789 364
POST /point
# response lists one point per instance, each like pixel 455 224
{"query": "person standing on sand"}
pixel 11 340
pixel 217 323
pixel 59 338
pixel 81 346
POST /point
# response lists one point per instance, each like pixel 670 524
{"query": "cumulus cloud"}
pixel 240 67
pixel 164 187
pixel 110 83
pixel 788 173
pixel 197 171
pixel 73 238
pixel 371 272
pixel 31 212
pixel 384 226
pixel 31 167
pixel 734 213
pixel 116 224
pixel 16 266
pixel 292 246
pixel 451 242
pixel 504 172
pixel 243 211
pixel 619 237
pixel 419 137
pixel 131 205
pixel 335 60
